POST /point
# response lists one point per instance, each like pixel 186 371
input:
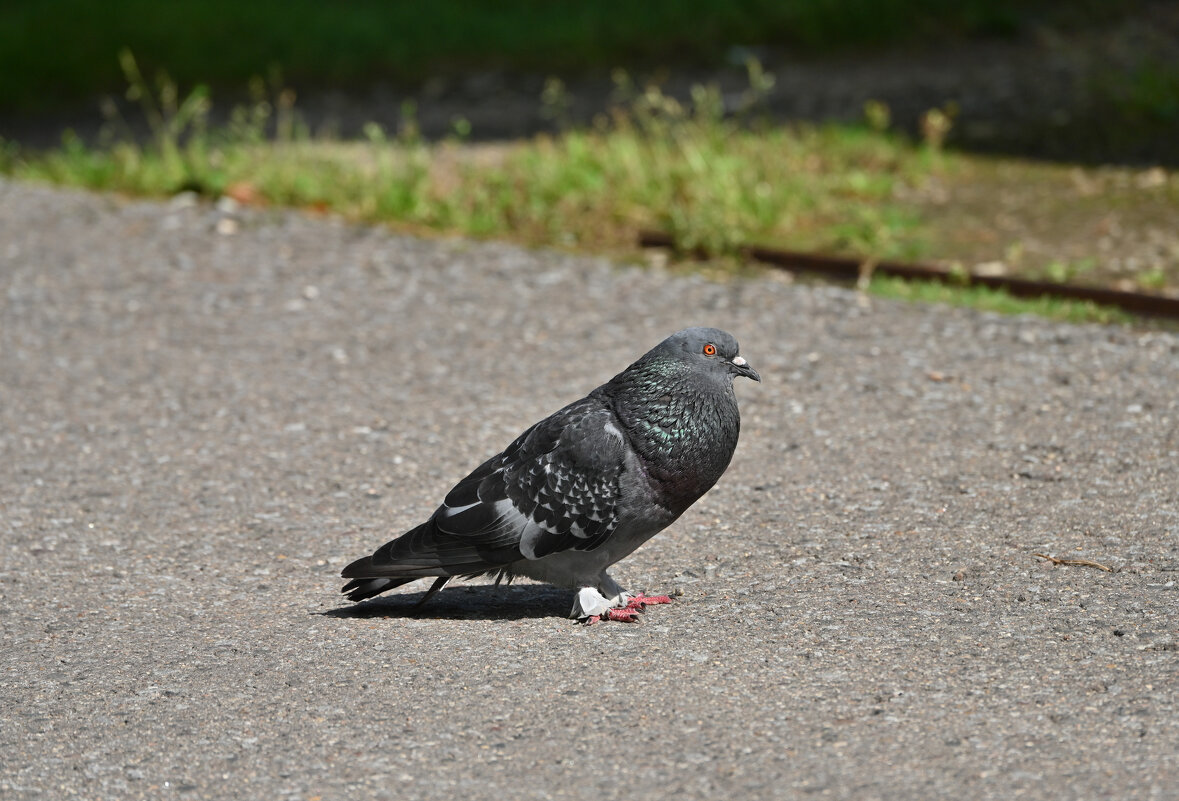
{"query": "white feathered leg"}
pixel 596 601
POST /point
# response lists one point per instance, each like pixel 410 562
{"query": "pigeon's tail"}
pixel 419 553
pixel 425 552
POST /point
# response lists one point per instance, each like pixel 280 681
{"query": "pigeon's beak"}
pixel 741 367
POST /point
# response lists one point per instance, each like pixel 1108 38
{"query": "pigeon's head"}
pixel 707 350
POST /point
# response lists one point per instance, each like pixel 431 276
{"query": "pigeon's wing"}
pixel 555 488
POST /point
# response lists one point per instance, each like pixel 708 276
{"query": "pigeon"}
pixel 585 486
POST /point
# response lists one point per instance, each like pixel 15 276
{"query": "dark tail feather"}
pixel 358 569
pixel 361 588
pixel 438 584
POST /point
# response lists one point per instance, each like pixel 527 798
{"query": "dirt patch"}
pixel 1103 226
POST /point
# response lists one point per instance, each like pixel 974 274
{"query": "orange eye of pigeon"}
pixel 710 349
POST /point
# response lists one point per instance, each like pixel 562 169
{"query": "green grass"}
pixel 996 300
pixel 711 182
pixel 60 51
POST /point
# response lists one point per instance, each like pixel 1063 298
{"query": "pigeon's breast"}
pixel 685 444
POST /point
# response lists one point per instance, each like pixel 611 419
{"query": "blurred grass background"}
pixel 54 52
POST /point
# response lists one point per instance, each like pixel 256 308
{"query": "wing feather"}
pixel 556 487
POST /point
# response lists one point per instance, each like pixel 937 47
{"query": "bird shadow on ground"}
pixel 465 603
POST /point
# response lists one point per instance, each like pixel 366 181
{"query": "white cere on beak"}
pixel 737 360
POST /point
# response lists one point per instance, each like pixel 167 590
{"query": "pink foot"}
pixel 640 601
pixel 627 615
pixel 622 615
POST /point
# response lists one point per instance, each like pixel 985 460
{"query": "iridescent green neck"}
pixel 683 426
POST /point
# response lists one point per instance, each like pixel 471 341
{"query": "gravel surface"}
pixel 204 414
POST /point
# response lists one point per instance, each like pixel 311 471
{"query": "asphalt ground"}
pixel 204 414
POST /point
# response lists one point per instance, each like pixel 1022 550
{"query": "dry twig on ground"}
pixel 1056 560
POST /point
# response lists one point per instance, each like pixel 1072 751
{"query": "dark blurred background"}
pixel 1077 80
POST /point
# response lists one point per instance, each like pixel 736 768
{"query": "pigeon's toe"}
pixel 641 602
pixel 626 615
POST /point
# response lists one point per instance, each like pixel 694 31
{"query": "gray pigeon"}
pixel 585 486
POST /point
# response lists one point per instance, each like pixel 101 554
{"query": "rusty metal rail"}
pixel 850 269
